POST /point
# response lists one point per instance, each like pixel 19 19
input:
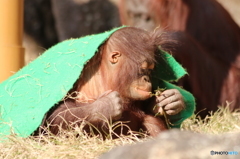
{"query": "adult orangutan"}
pixel 96 79
pixel 116 85
pixel 209 45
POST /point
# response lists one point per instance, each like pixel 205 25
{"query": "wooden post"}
pixel 11 34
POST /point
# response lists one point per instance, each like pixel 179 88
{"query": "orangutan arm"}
pixel 73 113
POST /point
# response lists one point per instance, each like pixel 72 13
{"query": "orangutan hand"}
pixel 171 101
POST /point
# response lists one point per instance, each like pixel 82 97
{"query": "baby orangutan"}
pixel 116 85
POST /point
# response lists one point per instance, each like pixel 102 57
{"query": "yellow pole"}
pixel 11 34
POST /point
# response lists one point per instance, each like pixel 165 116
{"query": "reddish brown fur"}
pixel 98 78
pixel 209 47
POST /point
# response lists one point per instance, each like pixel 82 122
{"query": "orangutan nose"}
pixel 146 78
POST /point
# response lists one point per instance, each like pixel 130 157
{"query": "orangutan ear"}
pixel 114 57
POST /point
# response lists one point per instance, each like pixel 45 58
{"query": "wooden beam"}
pixel 11 35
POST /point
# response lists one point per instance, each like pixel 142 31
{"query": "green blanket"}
pixel 27 95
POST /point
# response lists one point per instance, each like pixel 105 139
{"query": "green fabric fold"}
pixel 167 68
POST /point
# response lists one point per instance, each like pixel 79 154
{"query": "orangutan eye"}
pixel 144 72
